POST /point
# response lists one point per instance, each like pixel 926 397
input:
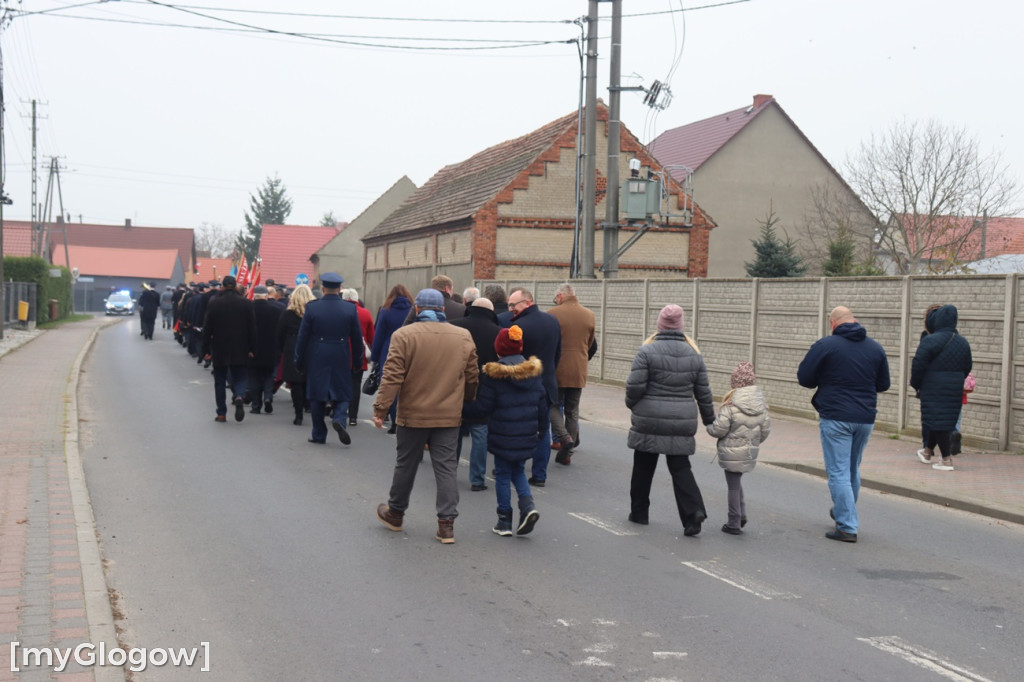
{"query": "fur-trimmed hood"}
pixel 525 369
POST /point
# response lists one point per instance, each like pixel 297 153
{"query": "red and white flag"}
pixel 243 272
pixel 254 277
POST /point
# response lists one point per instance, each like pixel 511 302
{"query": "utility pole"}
pixel 3 197
pixel 37 237
pixel 610 228
pixel 590 152
pixel 47 215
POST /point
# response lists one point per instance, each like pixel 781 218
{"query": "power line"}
pixel 360 17
pixel 339 39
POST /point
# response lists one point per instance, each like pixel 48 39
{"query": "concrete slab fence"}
pixel 772 323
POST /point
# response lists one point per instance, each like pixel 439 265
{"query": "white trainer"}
pixel 924 456
pixel 944 465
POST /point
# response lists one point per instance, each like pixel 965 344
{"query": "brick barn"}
pixel 508 212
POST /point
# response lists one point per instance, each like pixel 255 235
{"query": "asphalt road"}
pixel 267 547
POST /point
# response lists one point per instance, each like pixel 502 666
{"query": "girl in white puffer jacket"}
pixel 741 426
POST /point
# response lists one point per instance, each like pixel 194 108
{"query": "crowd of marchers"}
pixel 493 367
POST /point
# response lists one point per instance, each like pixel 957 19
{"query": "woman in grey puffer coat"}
pixel 740 427
pixel 666 391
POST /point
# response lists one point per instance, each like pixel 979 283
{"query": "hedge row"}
pixel 35 269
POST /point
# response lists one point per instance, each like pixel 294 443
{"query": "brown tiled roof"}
pixel 17 238
pixel 458 191
pixel 181 239
pixel 693 144
pixel 109 262
pixel 286 250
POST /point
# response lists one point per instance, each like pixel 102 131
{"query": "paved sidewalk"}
pixel 52 588
pixel 989 483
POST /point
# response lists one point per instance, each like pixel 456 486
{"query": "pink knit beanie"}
pixel 743 375
pixel 671 318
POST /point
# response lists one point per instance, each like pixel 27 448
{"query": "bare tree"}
pixel 836 217
pixel 930 184
pixel 216 240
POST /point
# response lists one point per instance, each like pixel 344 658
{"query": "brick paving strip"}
pixel 53 592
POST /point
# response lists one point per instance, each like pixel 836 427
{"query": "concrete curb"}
pixel 903 491
pixel 98 612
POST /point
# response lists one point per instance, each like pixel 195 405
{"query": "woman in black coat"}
pixel 287 333
pixel 942 362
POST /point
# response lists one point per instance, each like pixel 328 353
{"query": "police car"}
pixel 120 303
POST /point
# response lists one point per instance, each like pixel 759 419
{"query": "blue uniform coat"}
pixel 329 347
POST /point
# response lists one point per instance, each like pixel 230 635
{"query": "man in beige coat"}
pixel 578 345
pixel 434 366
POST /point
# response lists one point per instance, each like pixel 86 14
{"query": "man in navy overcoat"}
pixel 329 348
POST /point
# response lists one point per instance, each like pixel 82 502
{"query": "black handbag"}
pixel 372 381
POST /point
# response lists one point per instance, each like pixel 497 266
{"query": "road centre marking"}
pixel 603 525
pixel 737 579
pixel 923 658
pixel 668 655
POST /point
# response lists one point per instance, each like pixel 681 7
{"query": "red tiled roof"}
pixel 108 262
pixel 286 250
pixel 181 239
pixel 458 191
pixel 1002 236
pixel 693 144
pixel 213 268
pixel 17 239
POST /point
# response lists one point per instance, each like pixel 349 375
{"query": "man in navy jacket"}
pixel 542 337
pixel 849 369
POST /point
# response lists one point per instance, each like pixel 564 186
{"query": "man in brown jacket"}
pixel 578 346
pixel 434 366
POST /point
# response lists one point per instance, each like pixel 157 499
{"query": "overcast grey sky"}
pixel 172 125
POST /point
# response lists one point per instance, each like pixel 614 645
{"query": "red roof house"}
pixel 290 250
pixel 127 236
pixel 17 239
pixel 96 261
pixel 945 243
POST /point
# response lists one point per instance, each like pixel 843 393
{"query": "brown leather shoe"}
pixel 391 519
pixel 446 531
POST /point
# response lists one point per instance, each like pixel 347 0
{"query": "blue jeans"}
pixel 843 446
pixel 507 474
pixel 542 454
pixel 222 374
pixel 478 454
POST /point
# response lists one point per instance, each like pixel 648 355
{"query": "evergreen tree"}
pixel 774 257
pixel 270 206
pixel 328 220
pixel 840 256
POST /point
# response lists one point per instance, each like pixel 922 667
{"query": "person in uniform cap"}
pixel 328 349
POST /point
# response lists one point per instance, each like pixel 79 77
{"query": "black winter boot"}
pixel 504 525
pixel 528 515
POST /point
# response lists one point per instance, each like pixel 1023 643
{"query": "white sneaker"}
pixel 924 456
pixel 943 465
